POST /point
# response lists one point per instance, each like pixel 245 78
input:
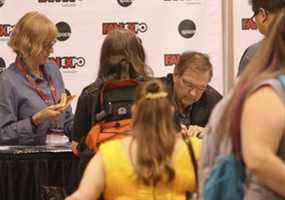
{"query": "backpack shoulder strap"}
pixel 281 88
pixel 281 79
pixel 193 159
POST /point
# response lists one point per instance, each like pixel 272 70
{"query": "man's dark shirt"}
pixel 199 112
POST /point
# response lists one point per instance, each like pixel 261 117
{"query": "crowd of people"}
pixel 180 125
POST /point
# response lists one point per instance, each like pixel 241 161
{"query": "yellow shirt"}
pixel 120 183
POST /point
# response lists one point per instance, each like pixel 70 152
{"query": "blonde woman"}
pixel 32 97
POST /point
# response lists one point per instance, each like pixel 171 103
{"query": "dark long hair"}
pixel 269 5
pixel 267 63
pixel 122 56
pixel 154 132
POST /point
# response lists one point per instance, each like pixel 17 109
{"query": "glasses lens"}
pixel 139 39
pixel 253 16
pixel 50 44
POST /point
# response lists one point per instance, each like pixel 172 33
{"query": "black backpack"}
pixel 116 98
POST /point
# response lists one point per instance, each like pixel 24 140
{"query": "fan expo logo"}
pixel 5 31
pixel 64 3
pixel 132 26
pixel 69 63
pixel 2 65
pixel 187 28
pixel 2 3
pixel 125 3
pixel 248 24
pixel 171 59
pixel 64 31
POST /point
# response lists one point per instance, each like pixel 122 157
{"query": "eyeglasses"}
pixel 49 45
pixel 255 13
pixel 139 39
pixel 191 86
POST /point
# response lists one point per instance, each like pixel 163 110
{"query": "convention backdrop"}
pixel 166 27
pixel 245 32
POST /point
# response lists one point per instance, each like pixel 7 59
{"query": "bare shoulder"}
pixel 265 96
pixel 265 104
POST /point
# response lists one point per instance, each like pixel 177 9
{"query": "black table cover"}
pixel 37 172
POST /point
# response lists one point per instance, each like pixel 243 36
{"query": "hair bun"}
pixel 153 88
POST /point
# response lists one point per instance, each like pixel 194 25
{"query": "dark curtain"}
pixel 37 176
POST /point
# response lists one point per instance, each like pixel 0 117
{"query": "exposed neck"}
pixel 178 103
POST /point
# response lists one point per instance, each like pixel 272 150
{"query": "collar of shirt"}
pixel 36 78
pixel 183 115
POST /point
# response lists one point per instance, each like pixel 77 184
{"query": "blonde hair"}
pixel 31 34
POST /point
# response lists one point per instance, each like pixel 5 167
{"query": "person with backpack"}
pixel 122 58
pixel 243 154
pixel 152 163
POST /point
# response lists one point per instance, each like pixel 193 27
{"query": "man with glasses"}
pixel 264 12
pixel 193 98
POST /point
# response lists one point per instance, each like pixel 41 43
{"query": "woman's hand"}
pixel 53 111
pixel 74 145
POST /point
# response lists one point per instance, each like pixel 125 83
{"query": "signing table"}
pixel 37 172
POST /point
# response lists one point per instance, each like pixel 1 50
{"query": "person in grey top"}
pixel 263 15
pixel 247 56
pixel 32 93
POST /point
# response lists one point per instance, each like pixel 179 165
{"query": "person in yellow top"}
pixel 153 163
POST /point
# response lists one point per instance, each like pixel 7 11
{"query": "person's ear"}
pixel 176 77
pixel 264 15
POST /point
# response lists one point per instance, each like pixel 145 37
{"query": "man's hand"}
pixel 193 131
pixel 196 131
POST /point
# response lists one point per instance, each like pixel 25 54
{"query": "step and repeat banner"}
pixel 246 32
pixel 166 27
